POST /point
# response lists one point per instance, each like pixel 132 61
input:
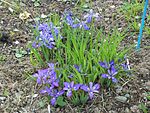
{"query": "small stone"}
pixel 100 9
pixel 58 109
pixel 148 104
pixel 112 111
pixel 16 42
pixel 2 98
pixel 135 109
pixel 121 99
pixel 127 110
pixel 96 110
pixel 106 19
pixel 134 91
pixel 127 95
pixel 15 29
pixel 120 29
pixel 10 9
pixel 119 90
pixel 35 95
pixel 43 16
pixel 147 83
pixel 113 6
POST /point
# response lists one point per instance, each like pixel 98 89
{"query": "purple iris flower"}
pixel 53 79
pixel 70 76
pixel 43 27
pixel 69 19
pixel 106 65
pixel 51 66
pixel 46 90
pixel 111 73
pixel 76 25
pixel 47 76
pixel 91 89
pixel 55 94
pixel 56 31
pixel 78 68
pixel 91 15
pixel 41 76
pixel 80 25
pixel 69 87
pixel 83 24
pixel 125 66
pixel 46 35
pixel 47 39
pixel 89 18
pixel 36 45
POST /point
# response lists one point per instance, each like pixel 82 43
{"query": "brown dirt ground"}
pixel 17 90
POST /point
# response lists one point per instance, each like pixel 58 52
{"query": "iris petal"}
pixel 113 70
pixel 96 86
pixel 91 85
pixel 53 101
pixel 89 19
pixel 85 26
pixel 91 94
pixel 66 85
pixel 76 87
pixel 60 93
pixel 105 75
pixel 111 63
pixel 69 93
pixel 103 64
pixel 85 88
pixel 114 80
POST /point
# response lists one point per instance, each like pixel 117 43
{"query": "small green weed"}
pixel 143 108
pixel 131 10
pixel 20 52
pixel 2 57
pixel 36 2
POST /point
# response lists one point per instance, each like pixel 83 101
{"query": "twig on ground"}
pixel 69 106
pixel 49 109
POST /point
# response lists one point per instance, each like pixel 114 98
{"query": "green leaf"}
pixel 2 57
pixel 36 4
pixel 83 99
pixel 42 104
pixel 143 108
pixel 24 52
pixel 76 100
pixel 18 55
pixel 148 95
pixel 6 92
pixel 60 101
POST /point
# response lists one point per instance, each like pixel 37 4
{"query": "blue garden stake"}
pixel 142 25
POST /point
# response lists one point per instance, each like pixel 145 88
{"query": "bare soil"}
pixel 18 92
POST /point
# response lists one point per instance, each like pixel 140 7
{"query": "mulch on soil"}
pixel 18 93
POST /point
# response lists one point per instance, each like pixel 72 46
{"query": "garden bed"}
pixel 18 91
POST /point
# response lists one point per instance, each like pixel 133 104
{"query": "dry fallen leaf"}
pixel 25 15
